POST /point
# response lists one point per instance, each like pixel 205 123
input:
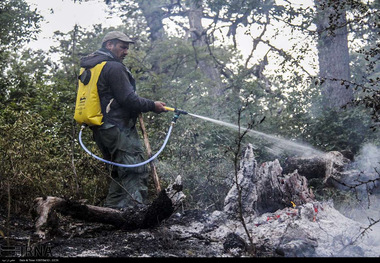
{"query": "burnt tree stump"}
pixel 264 188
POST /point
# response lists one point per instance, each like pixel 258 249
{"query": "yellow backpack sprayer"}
pixel 177 113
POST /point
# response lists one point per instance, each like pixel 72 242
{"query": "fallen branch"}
pixel 138 217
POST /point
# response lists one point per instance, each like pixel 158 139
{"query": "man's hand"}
pixel 159 106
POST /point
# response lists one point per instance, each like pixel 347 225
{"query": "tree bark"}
pixel 333 53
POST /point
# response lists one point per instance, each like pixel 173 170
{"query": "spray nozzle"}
pixel 175 110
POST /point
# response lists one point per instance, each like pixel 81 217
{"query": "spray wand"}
pixel 177 112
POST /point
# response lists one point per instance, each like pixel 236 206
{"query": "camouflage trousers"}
pixel 128 185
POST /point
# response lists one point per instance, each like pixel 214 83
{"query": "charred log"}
pixel 327 167
pixel 137 217
pixel 310 167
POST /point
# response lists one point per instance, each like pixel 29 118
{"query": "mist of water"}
pixel 281 144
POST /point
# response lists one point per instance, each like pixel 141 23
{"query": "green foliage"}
pixel 335 130
pixel 39 149
pixel 341 130
pixel 36 161
pixel 17 22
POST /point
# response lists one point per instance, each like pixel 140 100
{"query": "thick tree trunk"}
pixel 333 52
pixel 205 64
pixel 153 16
pixel 195 16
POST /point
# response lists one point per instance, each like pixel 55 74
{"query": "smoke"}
pixel 366 209
pixel 368 160
pixel 367 175
pixel 363 175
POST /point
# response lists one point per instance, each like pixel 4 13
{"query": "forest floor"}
pixel 75 238
pixel 189 234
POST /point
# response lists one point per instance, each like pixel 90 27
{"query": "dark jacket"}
pixel 117 90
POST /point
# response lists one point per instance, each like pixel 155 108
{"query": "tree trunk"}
pixel 153 16
pixel 206 65
pixel 195 16
pixel 333 53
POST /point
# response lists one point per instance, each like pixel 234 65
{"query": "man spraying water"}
pixel 115 130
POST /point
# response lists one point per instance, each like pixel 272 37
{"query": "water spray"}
pixel 177 112
pixel 280 142
pixel 287 144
